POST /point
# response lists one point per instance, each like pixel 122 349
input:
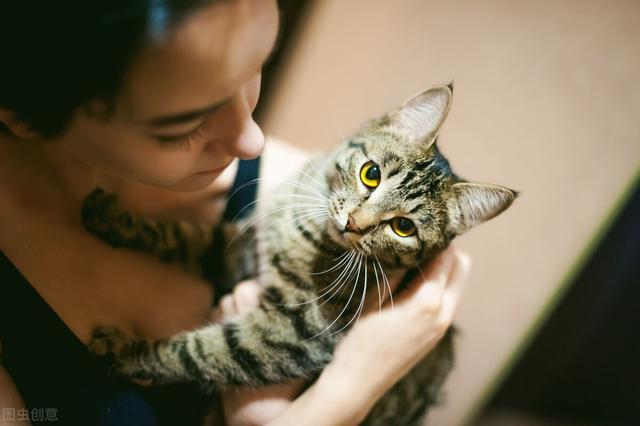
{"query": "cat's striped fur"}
pixel 314 271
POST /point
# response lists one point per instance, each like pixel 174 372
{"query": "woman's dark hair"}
pixel 57 55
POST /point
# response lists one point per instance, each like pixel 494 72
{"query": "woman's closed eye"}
pixel 178 138
pixel 188 130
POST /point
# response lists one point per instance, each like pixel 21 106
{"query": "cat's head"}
pixel 394 195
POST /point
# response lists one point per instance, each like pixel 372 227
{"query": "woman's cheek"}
pixel 174 167
pixel 159 164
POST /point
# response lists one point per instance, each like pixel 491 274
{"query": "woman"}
pixel 151 99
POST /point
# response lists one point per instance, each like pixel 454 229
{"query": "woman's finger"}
pixel 228 307
pixel 457 280
pixel 247 296
pixel 244 298
pixel 427 288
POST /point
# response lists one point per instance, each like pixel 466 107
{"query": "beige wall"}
pixel 547 101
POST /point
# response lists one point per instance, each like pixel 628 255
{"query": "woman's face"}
pixel 184 111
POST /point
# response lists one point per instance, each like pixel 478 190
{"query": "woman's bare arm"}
pixel 10 401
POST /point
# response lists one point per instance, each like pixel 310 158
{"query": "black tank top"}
pixel 61 381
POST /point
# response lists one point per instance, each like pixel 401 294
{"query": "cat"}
pixel 379 205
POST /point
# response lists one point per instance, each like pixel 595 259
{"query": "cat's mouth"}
pixel 344 238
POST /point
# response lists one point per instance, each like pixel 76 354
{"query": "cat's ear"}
pixel 422 116
pixel 479 202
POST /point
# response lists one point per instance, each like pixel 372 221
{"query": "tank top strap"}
pixel 244 190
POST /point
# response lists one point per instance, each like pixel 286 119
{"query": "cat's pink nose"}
pixel 351 225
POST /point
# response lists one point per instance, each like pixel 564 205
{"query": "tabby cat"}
pixel 380 204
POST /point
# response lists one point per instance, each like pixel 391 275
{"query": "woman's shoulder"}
pixel 279 160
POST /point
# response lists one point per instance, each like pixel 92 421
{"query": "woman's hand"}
pixel 384 345
pixel 244 405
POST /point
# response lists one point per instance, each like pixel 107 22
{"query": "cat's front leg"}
pixel 151 361
pixel 171 241
pixel 272 344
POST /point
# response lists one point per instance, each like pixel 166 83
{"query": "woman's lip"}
pixel 214 171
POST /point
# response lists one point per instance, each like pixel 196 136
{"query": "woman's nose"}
pixel 242 137
pixel 250 141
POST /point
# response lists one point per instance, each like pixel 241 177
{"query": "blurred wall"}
pixel 547 101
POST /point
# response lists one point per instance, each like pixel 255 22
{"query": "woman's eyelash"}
pixel 178 139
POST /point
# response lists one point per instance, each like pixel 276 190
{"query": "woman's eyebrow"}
pixel 183 117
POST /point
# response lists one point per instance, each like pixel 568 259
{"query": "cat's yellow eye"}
pixel 370 175
pixel 403 226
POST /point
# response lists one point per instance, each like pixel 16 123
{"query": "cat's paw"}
pixel 97 209
pixel 107 340
pixel 103 217
pixel 125 353
pixel 97 203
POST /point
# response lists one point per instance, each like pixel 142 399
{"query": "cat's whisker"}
pixel 355 286
pixel 356 315
pixel 310 163
pixel 308 189
pixel 386 281
pixel 345 306
pixel 348 280
pixel 310 216
pixel 328 182
pixel 291 205
pixel 375 271
pixel 261 199
pixel 366 277
pixel 384 288
pixel 255 237
pixel 313 212
pixel 303 186
pixel 306 216
pixel 335 282
pixel 351 270
pixel 321 176
pixel 244 185
pixel 320 184
pixel 257 180
pixel 345 273
pixel 308 197
pixel 292 182
pixel 334 267
pixel 304 155
pixel 263 215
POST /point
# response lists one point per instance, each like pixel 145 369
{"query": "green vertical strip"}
pixel 555 299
